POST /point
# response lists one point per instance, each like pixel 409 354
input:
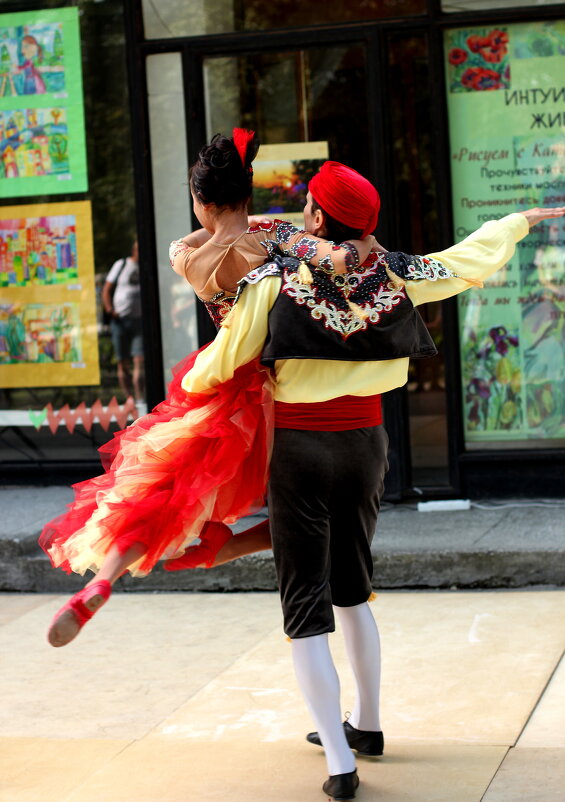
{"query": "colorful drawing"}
pixel 41 250
pixel 33 142
pixel 37 333
pixel 48 329
pixel 478 60
pixel 32 59
pixel 280 177
pixel 490 362
pixel 42 136
pixel 541 40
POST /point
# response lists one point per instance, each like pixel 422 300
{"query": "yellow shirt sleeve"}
pixel 475 258
pixel 241 338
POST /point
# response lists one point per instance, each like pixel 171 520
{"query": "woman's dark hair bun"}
pixel 219 176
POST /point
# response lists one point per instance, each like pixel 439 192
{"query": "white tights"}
pixel 363 648
pixel 319 682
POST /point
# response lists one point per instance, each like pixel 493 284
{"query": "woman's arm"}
pixel 180 248
pixel 241 338
pixel 314 250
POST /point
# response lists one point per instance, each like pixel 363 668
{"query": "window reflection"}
pixel 297 96
pixel 172 18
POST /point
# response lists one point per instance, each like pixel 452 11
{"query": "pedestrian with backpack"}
pixel 121 299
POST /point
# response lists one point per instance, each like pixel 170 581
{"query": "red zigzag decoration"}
pixel 87 417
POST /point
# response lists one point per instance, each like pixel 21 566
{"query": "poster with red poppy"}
pixel 478 60
pixel 507 150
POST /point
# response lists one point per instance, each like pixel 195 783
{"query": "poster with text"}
pixel 506 102
pixel 42 138
pixel 48 331
pixel 281 174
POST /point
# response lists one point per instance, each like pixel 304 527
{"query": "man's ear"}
pixel 319 224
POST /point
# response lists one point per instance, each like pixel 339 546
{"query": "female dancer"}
pixel 198 457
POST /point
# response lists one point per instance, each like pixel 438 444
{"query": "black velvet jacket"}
pixel 362 315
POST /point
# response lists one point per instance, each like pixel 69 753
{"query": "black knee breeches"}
pixel 324 495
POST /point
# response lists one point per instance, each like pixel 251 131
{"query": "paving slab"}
pixel 134 664
pixel 284 771
pixel 45 770
pixel 451 673
pixel 194 697
pixel 546 727
pixel 14 605
pixel 529 775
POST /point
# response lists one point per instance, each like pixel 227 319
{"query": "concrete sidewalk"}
pixel 493 545
pixel 186 697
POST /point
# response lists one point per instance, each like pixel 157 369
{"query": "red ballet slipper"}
pixel 71 618
pixel 213 537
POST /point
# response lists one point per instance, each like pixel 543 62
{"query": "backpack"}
pixel 106 317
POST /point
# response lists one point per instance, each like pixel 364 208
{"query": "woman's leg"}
pixel 70 619
pixel 220 546
pixel 257 538
pixel 116 562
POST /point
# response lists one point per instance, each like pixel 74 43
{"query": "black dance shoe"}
pixel 341 786
pixel 365 742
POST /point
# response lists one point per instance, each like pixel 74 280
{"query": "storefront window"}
pixel 171 200
pixel 505 100
pixel 416 231
pixel 67 216
pixel 454 6
pixel 304 97
pixel 171 18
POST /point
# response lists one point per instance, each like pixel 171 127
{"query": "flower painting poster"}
pixel 42 138
pixel 48 333
pixel 506 103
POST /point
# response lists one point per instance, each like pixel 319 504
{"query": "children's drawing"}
pixel 32 59
pixel 39 333
pixel 33 142
pixel 38 250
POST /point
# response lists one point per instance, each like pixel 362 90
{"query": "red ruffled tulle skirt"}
pixel 196 457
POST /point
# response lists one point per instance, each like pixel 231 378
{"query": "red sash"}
pixel 335 415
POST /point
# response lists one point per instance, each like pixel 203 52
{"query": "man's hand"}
pixel 536 215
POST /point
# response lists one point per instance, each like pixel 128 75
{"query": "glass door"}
pixel 294 97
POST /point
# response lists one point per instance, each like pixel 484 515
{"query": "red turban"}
pixel 346 196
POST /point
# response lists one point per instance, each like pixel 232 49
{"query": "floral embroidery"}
pixel 254 276
pixel 284 231
pixel 177 246
pixel 219 307
pixel 328 299
pixel 352 301
pixel 417 267
pixel 263 226
pixel 352 255
pixel 305 249
pixel 270 247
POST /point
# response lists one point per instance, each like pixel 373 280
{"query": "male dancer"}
pixel 335 343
